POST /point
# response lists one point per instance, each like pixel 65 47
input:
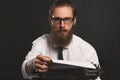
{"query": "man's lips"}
pixel 62 31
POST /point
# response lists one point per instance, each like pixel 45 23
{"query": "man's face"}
pixel 62 23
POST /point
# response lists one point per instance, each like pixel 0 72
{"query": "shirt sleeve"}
pixel 36 48
pixel 90 55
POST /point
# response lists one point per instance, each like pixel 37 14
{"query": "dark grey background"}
pixel 24 21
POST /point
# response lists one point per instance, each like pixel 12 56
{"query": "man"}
pixel 62 20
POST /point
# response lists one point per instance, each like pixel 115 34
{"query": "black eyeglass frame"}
pixel 58 20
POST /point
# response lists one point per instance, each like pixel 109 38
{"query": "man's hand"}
pixel 93 73
pixel 41 63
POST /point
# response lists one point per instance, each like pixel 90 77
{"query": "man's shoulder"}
pixel 78 39
pixel 81 42
pixel 42 38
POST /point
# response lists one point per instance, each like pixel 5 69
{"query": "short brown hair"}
pixel 59 3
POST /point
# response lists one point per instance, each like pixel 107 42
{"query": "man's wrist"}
pixel 30 68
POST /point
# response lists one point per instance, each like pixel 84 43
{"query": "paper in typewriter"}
pixel 62 64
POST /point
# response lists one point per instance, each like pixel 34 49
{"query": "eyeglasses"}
pixel 58 20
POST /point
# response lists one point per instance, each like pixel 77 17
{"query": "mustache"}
pixel 62 30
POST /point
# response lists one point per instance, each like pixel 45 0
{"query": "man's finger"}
pixel 42 67
pixel 44 58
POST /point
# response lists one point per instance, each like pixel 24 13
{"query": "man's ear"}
pixel 50 22
pixel 74 22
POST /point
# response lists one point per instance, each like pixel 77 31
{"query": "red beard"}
pixel 61 37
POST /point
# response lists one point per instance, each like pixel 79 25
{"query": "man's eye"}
pixel 68 19
pixel 56 19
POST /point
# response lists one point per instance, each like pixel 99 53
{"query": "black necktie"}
pixel 60 55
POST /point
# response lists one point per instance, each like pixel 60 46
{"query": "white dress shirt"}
pixel 77 50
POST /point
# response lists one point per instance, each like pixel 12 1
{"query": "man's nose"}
pixel 62 24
